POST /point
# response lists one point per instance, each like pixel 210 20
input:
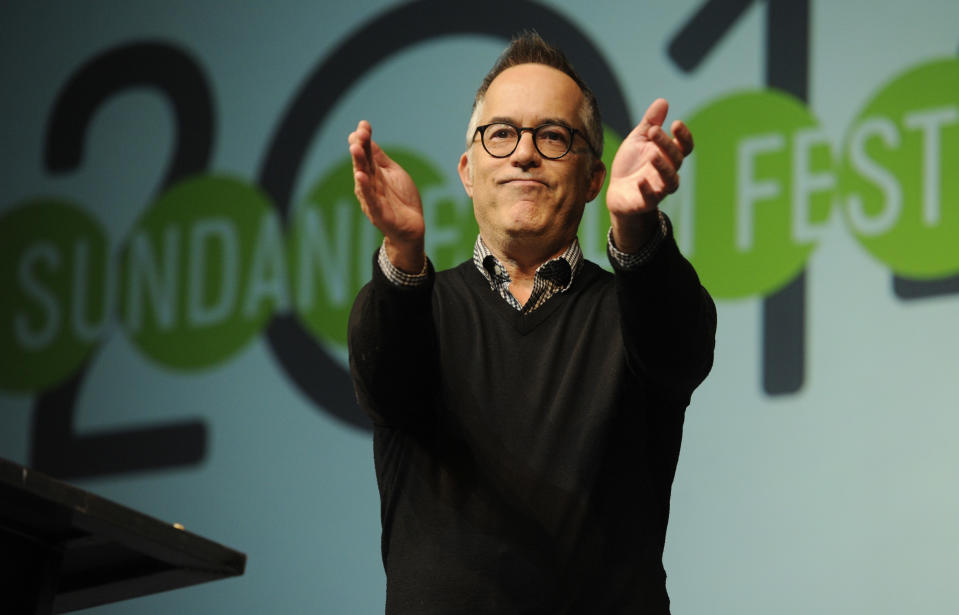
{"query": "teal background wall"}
pixel 818 469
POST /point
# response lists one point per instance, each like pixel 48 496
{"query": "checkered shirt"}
pixel 554 276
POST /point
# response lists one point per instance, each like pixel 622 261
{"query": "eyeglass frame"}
pixel 533 130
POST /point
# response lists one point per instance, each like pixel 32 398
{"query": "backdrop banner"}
pixel 180 247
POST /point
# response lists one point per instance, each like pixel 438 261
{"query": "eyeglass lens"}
pixel 551 140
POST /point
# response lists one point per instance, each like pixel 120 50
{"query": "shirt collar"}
pixel 561 270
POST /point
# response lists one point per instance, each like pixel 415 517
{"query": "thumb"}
pixel 655 114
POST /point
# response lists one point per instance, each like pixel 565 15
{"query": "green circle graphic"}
pixel 899 187
pixel 755 190
pixel 55 275
pixel 202 271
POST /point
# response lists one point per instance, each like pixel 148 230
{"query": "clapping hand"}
pixel 389 198
pixel 645 170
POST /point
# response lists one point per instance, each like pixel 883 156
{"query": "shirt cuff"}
pixel 630 261
pixel 398 277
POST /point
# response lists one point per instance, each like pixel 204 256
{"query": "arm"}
pixel 392 349
pixel 668 318
pixel 668 321
pixel 390 327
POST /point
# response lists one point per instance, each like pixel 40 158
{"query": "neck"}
pixel 521 260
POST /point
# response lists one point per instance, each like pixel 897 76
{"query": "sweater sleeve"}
pixel 668 321
pixel 392 344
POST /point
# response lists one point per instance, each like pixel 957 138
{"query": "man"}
pixel 527 405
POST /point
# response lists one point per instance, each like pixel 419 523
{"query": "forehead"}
pixel 528 93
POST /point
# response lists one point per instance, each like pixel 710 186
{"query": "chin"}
pixel 527 215
pixel 526 231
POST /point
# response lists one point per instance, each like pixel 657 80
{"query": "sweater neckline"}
pixel 524 323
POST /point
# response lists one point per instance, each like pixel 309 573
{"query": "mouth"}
pixel 523 181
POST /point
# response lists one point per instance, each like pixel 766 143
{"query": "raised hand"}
pixel 389 198
pixel 645 170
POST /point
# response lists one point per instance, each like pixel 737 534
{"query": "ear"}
pixel 596 176
pixel 466 174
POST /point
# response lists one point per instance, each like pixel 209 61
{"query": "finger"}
pixel 359 149
pixel 365 194
pixel 683 137
pixel 363 132
pixel 667 145
pixel 366 140
pixel 650 197
pixel 667 173
pixel 655 114
pixel 366 154
pixel 361 187
pixel 360 161
pixel 379 157
pixel 362 174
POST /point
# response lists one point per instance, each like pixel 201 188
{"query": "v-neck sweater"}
pixel 525 460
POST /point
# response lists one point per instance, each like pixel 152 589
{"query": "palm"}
pixel 386 192
pixel 392 199
pixel 631 167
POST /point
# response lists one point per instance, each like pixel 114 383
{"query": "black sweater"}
pixel 525 462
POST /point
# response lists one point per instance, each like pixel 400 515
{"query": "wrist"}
pixel 631 232
pixel 407 256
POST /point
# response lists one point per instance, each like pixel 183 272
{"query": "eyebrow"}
pixel 503 119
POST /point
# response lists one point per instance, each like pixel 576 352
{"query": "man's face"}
pixel 525 199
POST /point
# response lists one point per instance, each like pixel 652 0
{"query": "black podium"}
pixel 63 548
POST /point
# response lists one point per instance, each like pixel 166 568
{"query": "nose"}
pixel 525 155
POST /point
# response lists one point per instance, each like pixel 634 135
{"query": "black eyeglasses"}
pixel 552 141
